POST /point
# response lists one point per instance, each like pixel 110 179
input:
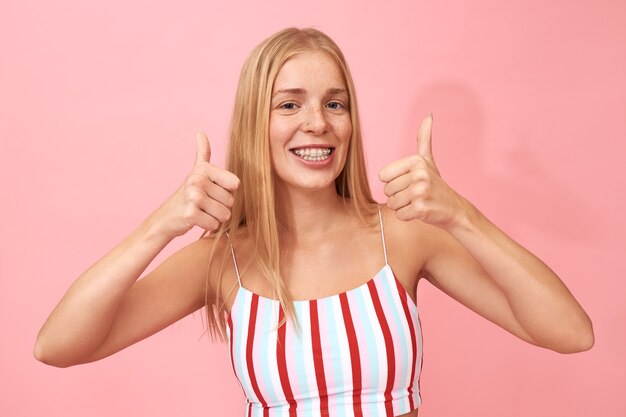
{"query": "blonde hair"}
pixel 249 159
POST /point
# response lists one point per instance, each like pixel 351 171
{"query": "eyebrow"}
pixel 301 91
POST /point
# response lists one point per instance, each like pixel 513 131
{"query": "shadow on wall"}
pixel 518 189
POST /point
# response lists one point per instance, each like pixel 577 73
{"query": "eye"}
pixel 335 105
pixel 288 106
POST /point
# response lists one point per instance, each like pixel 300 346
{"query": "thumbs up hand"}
pixel 204 199
pixel 415 189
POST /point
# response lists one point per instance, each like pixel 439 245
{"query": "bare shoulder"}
pixel 410 243
pixel 183 275
pixel 211 252
pixel 186 273
pixel 218 256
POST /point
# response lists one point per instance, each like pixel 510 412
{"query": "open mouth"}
pixel 313 154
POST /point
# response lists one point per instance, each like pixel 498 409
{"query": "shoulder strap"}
pixel 382 233
pixel 232 251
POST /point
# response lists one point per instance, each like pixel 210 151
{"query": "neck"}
pixel 308 214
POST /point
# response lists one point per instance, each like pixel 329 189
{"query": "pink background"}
pixel 98 109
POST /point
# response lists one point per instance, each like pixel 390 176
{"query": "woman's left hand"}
pixel 415 189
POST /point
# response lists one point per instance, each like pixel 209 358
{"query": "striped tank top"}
pixel 359 352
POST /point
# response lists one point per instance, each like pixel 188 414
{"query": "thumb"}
pixel 424 138
pixel 203 148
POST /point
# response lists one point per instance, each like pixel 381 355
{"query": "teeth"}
pixel 313 154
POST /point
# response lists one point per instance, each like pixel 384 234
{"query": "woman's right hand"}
pixel 204 199
pixel 108 307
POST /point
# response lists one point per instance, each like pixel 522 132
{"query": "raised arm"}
pixel 477 264
pixel 107 308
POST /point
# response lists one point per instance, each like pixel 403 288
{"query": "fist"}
pixel 415 189
pixel 204 198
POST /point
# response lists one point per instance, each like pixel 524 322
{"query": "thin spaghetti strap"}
pixel 382 234
pixel 232 251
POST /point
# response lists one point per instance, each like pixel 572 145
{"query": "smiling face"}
pixel 310 124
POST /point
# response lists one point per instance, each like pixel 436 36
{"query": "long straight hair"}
pixel 254 207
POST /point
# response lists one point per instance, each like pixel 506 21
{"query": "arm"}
pixel 480 266
pixel 106 309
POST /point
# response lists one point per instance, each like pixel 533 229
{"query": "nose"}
pixel 315 121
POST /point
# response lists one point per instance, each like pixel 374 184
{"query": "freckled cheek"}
pixel 348 133
pixel 344 131
pixel 279 136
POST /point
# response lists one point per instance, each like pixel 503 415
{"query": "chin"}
pixel 312 185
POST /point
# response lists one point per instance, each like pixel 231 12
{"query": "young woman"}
pixel 310 280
